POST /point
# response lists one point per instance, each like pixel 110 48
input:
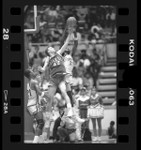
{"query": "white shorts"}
pixel 97 112
pixel 68 79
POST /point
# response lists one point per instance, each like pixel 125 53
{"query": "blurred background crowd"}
pixel 94 22
pixel 96 27
pixel 96 32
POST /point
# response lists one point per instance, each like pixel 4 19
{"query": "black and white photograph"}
pixel 70 74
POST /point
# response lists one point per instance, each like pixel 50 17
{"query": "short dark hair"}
pixel 112 123
pixel 41 55
pixel 46 52
pixel 35 56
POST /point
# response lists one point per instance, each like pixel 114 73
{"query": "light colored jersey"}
pixel 32 96
pixel 68 63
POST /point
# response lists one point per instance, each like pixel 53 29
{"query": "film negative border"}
pixel 13 97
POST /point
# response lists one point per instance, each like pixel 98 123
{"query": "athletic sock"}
pixel 36 139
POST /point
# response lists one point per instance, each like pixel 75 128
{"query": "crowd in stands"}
pixel 92 22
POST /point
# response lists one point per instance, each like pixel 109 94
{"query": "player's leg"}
pixel 68 88
pixel 94 129
pixel 46 129
pixel 62 87
pixel 40 125
pixel 51 92
pixel 99 129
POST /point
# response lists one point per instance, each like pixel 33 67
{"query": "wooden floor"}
pixel 104 140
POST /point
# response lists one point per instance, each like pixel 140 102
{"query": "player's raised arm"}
pixel 75 46
pixel 63 48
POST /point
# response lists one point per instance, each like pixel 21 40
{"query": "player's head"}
pixel 46 52
pixel 112 123
pixel 67 52
pixel 83 91
pixel 51 51
pixel 29 74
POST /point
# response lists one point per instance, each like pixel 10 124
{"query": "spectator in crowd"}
pixel 94 67
pixel 82 103
pixel 77 81
pixel 67 129
pixel 96 113
pixel 111 130
pixel 88 81
pixel 84 60
pixel 85 16
pixel 113 20
pixel 55 35
pixel 61 107
pixel 41 57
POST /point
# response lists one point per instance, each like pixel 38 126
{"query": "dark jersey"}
pixel 83 102
pixel 94 100
pixel 56 65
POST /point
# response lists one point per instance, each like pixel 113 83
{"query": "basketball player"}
pixel 32 105
pixel 47 112
pixel 57 73
pixel 69 64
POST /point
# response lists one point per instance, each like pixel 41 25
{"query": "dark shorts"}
pixel 83 113
pixel 57 78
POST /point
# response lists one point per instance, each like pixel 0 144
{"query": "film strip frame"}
pixel 13 80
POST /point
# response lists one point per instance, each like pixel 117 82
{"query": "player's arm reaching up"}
pixel 63 48
pixel 75 45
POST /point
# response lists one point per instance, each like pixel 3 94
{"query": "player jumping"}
pixel 57 72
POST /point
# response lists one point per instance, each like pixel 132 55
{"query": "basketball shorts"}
pixel 57 78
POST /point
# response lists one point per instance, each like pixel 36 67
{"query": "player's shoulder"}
pixel 59 54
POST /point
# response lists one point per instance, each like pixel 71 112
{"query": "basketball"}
pixel 71 22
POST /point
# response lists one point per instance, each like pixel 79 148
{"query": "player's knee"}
pixel 40 123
